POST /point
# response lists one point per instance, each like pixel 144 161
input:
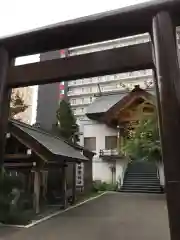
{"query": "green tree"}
pixel 66 125
pixel 143 142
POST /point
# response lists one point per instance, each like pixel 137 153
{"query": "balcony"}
pixel 81 93
pixel 112 78
pixel 81 103
pixel 110 154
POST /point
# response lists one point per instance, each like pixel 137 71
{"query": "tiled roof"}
pixel 55 145
pixel 103 103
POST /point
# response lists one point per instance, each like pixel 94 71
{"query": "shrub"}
pixel 103 186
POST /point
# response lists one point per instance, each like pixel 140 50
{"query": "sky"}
pixel 22 15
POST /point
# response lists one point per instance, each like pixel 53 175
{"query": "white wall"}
pixel 121 166
pixel 161 174
pixel 101 168
pixel 99 131
pixel 102 171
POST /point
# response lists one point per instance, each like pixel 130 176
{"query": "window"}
pixel 90 143
pixel 82 89
pixel 91 99
pixel 110 142
pixel 82 100
pixel 73 101
pixel 90 89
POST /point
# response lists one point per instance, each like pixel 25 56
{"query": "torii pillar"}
pixel 4 100
pixel 168 77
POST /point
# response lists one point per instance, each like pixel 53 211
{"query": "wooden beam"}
pixel 112 61
pixel 168 76
pixel 17 156
pixel 18 165
pixel 122 22
pixel 4 101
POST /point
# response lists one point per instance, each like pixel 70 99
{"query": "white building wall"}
pixel 101 168
pixel 161 174
pixel 99 131
pixel 121 166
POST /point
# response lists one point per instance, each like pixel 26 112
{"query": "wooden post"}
pixel 64 186
pixel 157 87
pixel 168 76
pixel 4 101
pixel 74 184
pixel 36 190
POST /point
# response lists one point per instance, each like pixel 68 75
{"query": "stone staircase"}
pixel 141 177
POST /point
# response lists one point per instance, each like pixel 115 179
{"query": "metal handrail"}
pixel 108 152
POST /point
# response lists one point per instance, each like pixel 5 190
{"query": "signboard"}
pixel 80 175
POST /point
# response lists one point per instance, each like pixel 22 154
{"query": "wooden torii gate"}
pixel 159 18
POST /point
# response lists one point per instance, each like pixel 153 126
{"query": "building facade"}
pixel 96 135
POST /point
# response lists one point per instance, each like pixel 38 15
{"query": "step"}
pixel 141 170
pixel 141 180
pixel 140 191
pixel 141 183
pixel 141 176
pixel 140 187
pixel 140 173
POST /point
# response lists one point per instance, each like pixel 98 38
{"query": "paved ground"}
pixel 110 217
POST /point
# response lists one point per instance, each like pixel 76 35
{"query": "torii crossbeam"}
pixel 159 18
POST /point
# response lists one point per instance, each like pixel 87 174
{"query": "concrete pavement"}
pixel 111 216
